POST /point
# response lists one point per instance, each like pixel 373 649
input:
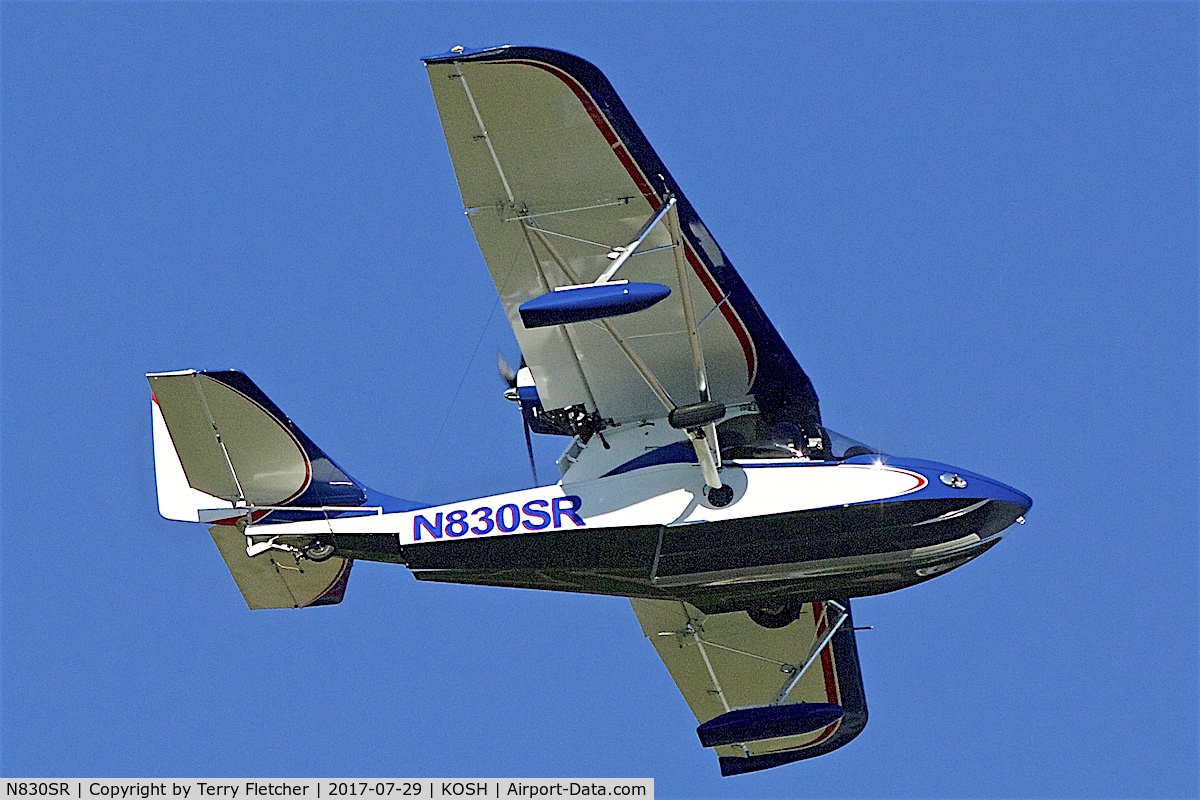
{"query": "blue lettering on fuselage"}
pixel 566 507
pixel 535 515
pixel 434 528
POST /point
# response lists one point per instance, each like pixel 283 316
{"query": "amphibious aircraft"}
pixel 699 479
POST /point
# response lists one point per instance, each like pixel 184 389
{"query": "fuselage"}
pixel 795 530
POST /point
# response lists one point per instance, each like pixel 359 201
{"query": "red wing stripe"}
pixel 636 174
pixel 831 689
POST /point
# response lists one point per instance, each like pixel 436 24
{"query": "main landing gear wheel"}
pixel 721 496
pixel 319 550
pixel 779 616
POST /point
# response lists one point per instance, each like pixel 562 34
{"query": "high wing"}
pixel 566 196
pixel 740 679
pixel 556 179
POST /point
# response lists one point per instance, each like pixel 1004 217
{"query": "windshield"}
pixel 844 447
pixel 749 437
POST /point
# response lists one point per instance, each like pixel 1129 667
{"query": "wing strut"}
pixel 799 673
pixel 704 439
pixel 526 228
pixel 621 254
pixel 655 386
pixel 699 419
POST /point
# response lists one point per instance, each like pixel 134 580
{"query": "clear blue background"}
pixel 975 225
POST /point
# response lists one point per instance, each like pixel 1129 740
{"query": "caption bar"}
pixel 327 788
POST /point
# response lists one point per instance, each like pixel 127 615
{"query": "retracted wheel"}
pixel 779 616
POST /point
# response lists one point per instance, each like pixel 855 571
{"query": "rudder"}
pixel 219 442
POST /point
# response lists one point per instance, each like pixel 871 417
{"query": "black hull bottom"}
pixel 854 551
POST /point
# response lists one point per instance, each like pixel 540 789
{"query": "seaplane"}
pixel 697 479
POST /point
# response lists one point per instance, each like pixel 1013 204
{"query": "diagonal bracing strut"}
pixel 795 677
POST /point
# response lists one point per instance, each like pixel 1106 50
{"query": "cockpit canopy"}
pixel 752 437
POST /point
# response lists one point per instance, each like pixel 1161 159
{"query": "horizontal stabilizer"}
pixel 275 579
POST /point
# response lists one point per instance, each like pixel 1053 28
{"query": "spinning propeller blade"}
pixel 506 371
pixel 509 375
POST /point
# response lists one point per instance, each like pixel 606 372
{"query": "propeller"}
pixel 510 378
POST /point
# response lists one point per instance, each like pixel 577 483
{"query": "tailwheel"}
pixel 319 550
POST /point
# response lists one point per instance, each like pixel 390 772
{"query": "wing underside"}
pixel 733 669
pixel 556 179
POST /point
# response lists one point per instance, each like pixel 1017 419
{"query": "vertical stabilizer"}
pixel 224 453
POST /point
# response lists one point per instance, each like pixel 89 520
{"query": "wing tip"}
pixel 848 728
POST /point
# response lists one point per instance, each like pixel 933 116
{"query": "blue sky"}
pixel 974 224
